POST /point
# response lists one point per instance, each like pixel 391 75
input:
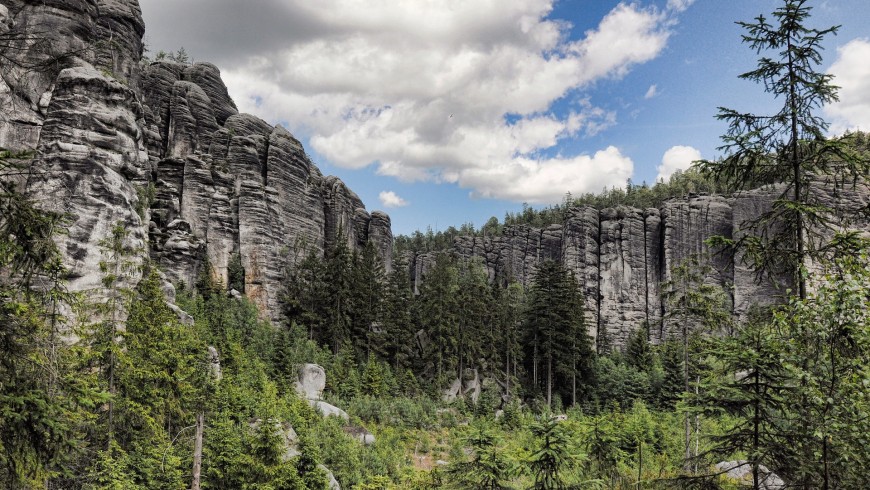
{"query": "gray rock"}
pixel 452 393
pixel 472 387
pixel 214 366
pixel 90 157
pixel 360 434
pixel 109 128
pixel 623 274
pixel 183 316
pixel 6 20
pixel 328 410
pixel 741 472
pixel 749 288
pixel 311 381
pixel 208 77
pixel 331 482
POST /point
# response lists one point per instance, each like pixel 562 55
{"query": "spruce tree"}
pixel 788 146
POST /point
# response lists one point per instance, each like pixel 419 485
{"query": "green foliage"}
pixel 555 330
pixel 552 455
pixel 236 273
pixel 488 468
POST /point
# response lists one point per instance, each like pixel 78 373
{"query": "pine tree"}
pixel 555 330
pixel 473 313
pixel 367 292
pixel 749 382
pixel 337 310
pixel 488 469
pixel 119 269
pixel 696 307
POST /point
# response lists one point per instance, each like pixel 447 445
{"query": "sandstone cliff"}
pixel 621 256
pixel 162 149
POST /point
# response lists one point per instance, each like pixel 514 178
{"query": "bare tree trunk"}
pixel 197 451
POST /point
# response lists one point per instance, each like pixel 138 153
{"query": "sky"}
pixel 444 112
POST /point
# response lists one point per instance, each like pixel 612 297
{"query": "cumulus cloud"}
pixel 451 91
pixel 651 92
pixel 676 158
pixel 390 199
pixel 852 74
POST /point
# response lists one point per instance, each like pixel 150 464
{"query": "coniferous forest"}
pixel 467 381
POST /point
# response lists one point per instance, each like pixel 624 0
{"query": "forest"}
pixel 471 382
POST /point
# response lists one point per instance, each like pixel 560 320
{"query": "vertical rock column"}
pixel 751 288
pixel 653 236
pixel 688 224
pixel 90 151
pixel 580 253
pixel 623 274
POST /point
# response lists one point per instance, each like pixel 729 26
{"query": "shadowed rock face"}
pixel 162 149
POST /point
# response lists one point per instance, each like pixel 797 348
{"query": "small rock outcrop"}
pixel 741 472
pixel 309 385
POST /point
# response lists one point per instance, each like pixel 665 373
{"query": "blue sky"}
pixel 452 111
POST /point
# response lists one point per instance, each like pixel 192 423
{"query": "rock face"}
pixel 161 149
pixel 90 160
pixel 106 34
pixel 622 256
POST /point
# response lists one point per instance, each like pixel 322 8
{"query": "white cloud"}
pixel 390 199
pixel 679 5
pixel 852 74
pixel 446 91
pixel 651 92
pixel 547 181
pixel 676 158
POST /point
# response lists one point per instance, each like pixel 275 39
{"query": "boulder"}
pixel 311 381
pixel 741 472
pixel 450 394
pixel 328 410
pixel 360 434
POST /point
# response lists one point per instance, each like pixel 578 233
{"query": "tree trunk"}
pixel 197 451
pixel 550 381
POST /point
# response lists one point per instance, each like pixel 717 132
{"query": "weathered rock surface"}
pixel 331 482
pixel 90 161
pixel 741 472
pixel 310 382
pixel 328 410
pixel 162 149
pixel 106 34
